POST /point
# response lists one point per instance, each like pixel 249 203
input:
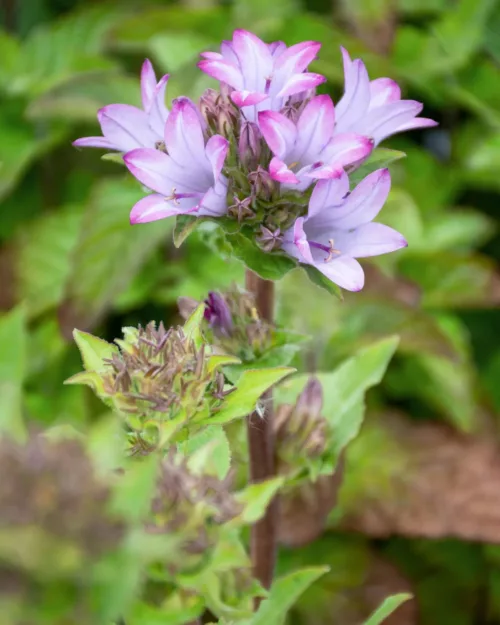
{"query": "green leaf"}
pixel 212 448
pixel 13 354
pixel 284 593
pixel 109 253
pixel 256 499
pixel 344 389
pixel 176 610
pixel 251 385
pixel 319 279
pixel 387 607
pixel 42 257
pixel 192 327
pixel 378 159
pixel 184 226
pixel 135 489
pixel 93 350
pixel 270 266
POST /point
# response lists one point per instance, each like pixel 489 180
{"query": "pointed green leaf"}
pixel 344 389
pixel 192 327
pixel 93 350
pixel 221 360
pixel 13 355
pixel 256 499
pixel 184 226
pixel 284 593
pixel 210 451
pixel 270 266
pixel 251 385
pixel 88 378
pixel 387 607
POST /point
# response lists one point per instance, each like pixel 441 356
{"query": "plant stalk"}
pixel 261 451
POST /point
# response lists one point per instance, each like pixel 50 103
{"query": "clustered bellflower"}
pixel 268 152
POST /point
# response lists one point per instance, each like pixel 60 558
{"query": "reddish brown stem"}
pixel 261 451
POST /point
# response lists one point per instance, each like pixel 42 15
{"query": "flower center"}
pixel 329 249
pixel 175 197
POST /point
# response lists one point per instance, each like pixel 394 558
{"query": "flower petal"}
pixel 227 51
pixel 154 207
pixel 314 129
pixel 343 270
pixel 216 151
pixel 278 131
pixel 214 202
pixel 346 149
pixel 148 84
pixel 94 142
pixel 356 99
pixel 158 113
pixel 295 242
pixel 385 120
pixel 255 59
pixel 184 135
pixel 280 172
pixel 419 122
pixel 365 201
pixel 300 82
pixel 248 98
pixel 293 60
pixel 382 91
pixel 327 194
pixel 371 239
pixel 126 127
pixel 149 167
pixel 224 71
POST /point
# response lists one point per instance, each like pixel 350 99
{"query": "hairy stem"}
pixel 261 451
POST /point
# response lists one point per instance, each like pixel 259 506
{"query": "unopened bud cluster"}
pixel 301 431
pixel 233 322
pixel 190 507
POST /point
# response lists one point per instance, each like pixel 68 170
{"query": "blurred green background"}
pixel 419 507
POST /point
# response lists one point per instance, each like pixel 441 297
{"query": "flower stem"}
pixel 261 451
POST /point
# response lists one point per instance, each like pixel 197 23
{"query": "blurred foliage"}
pixel 68 257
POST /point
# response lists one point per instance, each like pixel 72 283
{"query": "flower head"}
pixel 262 75
pixel 188 178
pixel 339 228
pixel 307 149
pixel 374 108
pixel 125 127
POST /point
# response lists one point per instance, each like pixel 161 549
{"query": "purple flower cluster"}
pixel 266 150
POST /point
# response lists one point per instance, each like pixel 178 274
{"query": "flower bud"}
pixel 249 146
pixel 263 185
pixel 209 107
pixel 218 315
pixel 269 240
pixel 300 429
pixel 190 508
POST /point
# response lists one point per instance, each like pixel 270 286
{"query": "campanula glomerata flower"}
pixel 125 127
pixel 339 228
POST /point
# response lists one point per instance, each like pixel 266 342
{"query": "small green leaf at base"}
pixel 251 385
pixel 93 350
pixel 256 499
pixel 269 266
pixel 387 607
pixel 317 278
pixel 284 593
pixel 184 226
